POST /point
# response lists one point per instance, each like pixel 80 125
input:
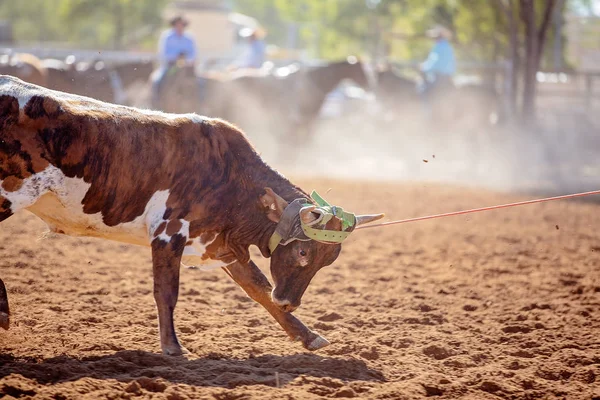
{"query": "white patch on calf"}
pixel 156 210
pixel 57 200
pixel 192 256
pixel 23 97
pixel 193 252
pixel 32 188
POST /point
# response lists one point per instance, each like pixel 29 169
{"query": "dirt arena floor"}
pixel 504 304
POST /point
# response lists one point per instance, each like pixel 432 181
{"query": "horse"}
pixel 60 75
pixel 24 66
pixel 96 79
pixel 286 103
pixel 132 72
pixel 464 105
pixel 180 90
pixel 312 90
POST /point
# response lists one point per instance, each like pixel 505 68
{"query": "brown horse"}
pixel 284 104
pixel 310 93
pixel 134 71
pixel 181 91
pixel 465 106
pixel 96 79
pixel 60 75
pixel 24 66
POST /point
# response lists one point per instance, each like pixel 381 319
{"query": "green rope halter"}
pixel 328 211
pixel 312 232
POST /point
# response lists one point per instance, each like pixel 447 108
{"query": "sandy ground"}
pixel 504 304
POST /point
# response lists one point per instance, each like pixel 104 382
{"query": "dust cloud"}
pixel 370 141
pixel 556 155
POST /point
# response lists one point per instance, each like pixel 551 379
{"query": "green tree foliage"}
pixel 335 28
pixel 329 29
pixel 87 23
pixel 332 29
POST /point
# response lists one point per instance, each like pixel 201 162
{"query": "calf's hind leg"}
pixel 257 286
pixel 4 311
pixel 5 212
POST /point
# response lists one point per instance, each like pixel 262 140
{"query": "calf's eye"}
pixel 302 253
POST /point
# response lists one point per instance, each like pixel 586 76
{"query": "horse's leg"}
pixel 257 286
pixel 157 84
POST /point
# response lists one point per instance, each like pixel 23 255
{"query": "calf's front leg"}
pixel 4 311
pixel 257 286
pixel 166 261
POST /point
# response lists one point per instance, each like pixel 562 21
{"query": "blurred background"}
pixel 345 87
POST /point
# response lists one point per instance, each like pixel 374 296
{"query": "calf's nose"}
pixel 284 304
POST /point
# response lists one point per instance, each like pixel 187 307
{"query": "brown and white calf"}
pixel 192 188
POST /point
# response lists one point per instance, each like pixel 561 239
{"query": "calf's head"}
pixel 307 238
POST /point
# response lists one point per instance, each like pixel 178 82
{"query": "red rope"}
pixel 474 210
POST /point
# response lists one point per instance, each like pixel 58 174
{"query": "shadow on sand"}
pixel 210 370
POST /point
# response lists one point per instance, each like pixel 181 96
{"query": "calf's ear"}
pixel 273 204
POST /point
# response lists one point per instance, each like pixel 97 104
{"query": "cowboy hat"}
pixel 177 19
pixel 258 32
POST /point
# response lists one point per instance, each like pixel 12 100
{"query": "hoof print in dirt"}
pixel 431 390
pixel 330 317
pixel 490 387
pixel 437 352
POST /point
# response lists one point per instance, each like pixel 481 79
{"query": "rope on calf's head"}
pixel 474 210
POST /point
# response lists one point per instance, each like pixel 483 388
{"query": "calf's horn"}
pixel 307 216
pixel 365 219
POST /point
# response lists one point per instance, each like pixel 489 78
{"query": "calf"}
pixel 191 188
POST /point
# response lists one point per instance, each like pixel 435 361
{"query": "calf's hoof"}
pixel 315 342
pixel 4 320
pixel 175 351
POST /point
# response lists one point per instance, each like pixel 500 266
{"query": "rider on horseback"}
pixel 253 57
pixel 440 66
pixel 174 46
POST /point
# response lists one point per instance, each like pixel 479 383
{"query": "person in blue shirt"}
pixel 440 66
pixel 255 53
pixel 175 45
